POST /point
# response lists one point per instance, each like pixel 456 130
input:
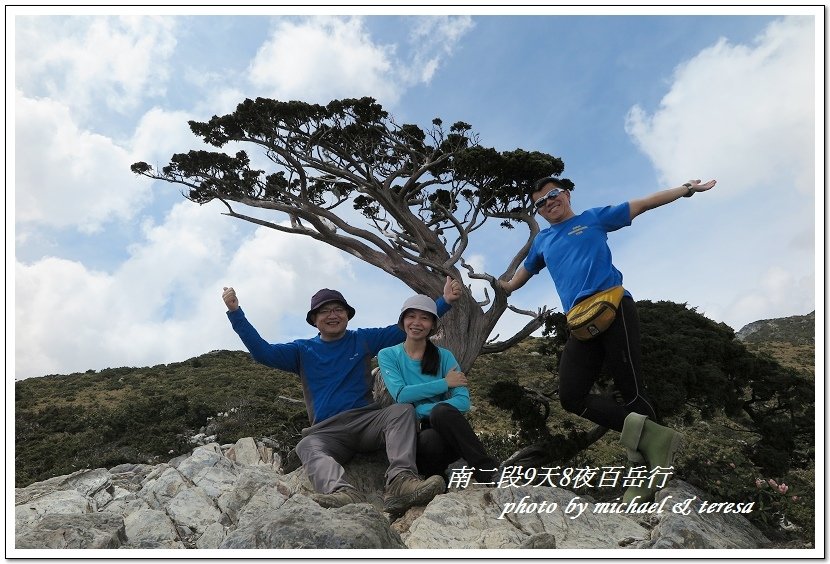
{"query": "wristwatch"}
pixel 690 192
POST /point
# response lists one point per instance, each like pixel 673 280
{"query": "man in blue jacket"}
pixel 335 371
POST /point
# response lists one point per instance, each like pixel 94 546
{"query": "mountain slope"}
pixel 788 340
pixel 796 330
pixel 745 415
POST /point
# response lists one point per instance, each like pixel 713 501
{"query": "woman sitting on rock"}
pixel 418 372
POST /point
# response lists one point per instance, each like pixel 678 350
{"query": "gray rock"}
pixel 250 481
pixel 469 519
pixel 130 477
pixel 90 530
pixel 265 501
pixel 193 508
pixel 53 503
pixel 209 470
pixel 202 459
pixel 158 490
pixel 212 537
pixel 245 452
pixel 209 501
pixel 88 482
pixel 539 541
pixel 301 523
pixel 151 528
pixel 38 489
pixel 124 505
pixel 700 530
pixel 217 480
pixel 85 482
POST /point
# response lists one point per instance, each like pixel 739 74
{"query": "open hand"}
pixel 698 187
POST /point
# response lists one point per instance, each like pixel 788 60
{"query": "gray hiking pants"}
pixel 329 444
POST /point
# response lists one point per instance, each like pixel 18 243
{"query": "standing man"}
pixel 575 251
pixel 335 371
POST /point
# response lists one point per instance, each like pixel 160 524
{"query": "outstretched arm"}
pixel 663 197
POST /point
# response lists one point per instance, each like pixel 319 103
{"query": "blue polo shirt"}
pixel 577 255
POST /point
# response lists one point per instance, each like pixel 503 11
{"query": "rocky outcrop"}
pixel 700 527
pixel 234 496
pixel 796 330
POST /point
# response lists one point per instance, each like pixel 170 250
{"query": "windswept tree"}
pixel 423 194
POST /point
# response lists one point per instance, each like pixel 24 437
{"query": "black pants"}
pixel 580 365
pixel 446 437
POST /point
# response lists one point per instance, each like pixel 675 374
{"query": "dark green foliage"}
pixel 530 413
pixel 689 360
pixel 745 415
pixel 349 144
pixel 123 415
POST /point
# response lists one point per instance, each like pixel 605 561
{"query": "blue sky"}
pixel 109 269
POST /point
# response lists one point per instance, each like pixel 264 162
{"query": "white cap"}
pixel 421 303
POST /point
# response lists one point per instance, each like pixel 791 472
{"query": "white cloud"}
pixel 161 133
pixel 745 116
pixel 91 61
pixel 434 38
pixel 221 99
pixel 59 310
pixel 66 176
pixel 324 58
pixel 164 303
pixel 69 177
pixel 778 293
pixel 742 113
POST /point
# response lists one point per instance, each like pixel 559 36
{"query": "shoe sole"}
pixel 326 504
pixel 421 496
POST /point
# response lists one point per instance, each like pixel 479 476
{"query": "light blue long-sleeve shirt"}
pixel 406 384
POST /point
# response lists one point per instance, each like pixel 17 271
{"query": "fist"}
pixel 452 290
pixel 229 296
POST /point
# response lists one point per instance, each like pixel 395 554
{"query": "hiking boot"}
pixel 488 473
pixel 408 490
pixel 339 498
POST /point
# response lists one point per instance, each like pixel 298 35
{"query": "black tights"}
pixel 446 437
pixel 580 365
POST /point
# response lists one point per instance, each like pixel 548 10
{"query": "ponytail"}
pixel 430 363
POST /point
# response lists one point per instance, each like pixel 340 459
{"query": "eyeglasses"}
pixel 337 310
pixel 552 195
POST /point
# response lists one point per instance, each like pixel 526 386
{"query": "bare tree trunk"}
pixel 463 330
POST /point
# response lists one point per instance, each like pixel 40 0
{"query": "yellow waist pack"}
pixel 594 314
